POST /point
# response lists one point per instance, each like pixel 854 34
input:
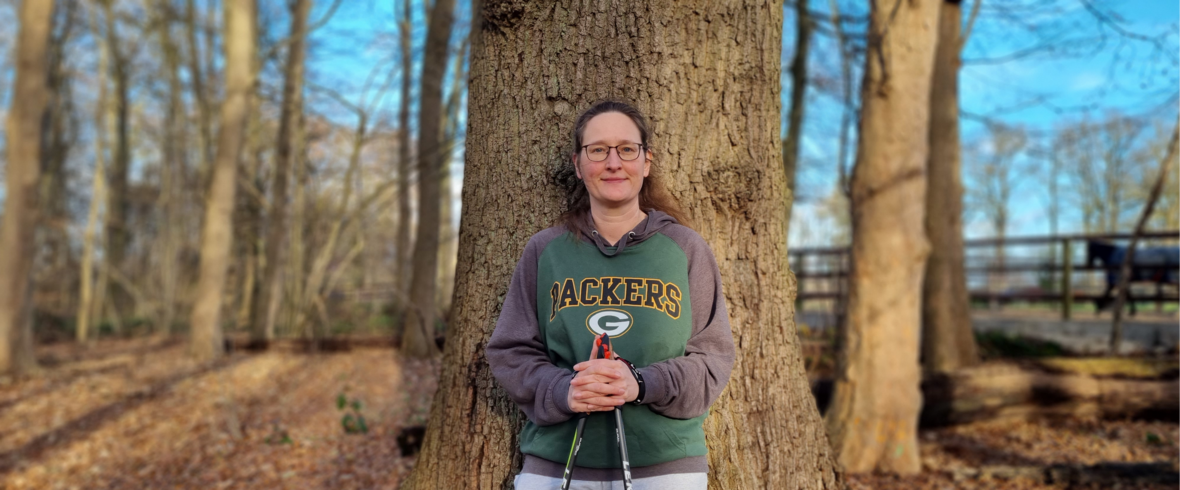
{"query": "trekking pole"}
pixel 602 350
pixel 603 344
pixel 598 352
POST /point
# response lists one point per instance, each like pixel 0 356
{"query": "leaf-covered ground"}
pixel 139 414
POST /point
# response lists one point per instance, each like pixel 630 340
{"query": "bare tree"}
pixel 1102 170
pixel 873 427
pixel 997 168
pixel 216 236
pixel 418 334
pixel 948 343
pixel 1116 330
pixel 86 304
pixel 402 263
pixel 22 176
pixel 798 98
pixel 262 321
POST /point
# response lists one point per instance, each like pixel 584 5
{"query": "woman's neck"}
pixel 613 223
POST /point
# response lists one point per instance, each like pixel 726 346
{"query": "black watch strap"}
pixel 638 380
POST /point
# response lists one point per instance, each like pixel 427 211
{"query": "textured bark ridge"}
pixel 874 413
pixel 707 74
pixel 947 340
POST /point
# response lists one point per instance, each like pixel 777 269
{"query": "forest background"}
pixel 344 205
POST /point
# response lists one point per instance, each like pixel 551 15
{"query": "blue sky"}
pixel 1092 70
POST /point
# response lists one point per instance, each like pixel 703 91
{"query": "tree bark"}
pixel 171 175
pixel 708 75
pixel 86 308
pixel 948 343
pixel 216 237
pixel 401 272
pixel 22 173
pixel 418 334
pixel 200 98
pixel 59 132
pixel 798 100
pixel 284 156
pixel 117 237
pixel 876 400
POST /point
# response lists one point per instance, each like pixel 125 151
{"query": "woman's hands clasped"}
pixel 601 385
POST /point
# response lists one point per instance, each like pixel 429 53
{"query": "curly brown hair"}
pixel 652 196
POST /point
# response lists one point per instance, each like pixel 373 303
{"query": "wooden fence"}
pixel 994 274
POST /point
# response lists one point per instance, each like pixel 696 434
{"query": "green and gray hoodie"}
pixel 657 292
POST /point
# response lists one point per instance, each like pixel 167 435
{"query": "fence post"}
pixel 800 274
pixel 1066 281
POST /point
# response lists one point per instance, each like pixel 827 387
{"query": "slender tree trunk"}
pixel 200 98
pixel 251 204
pixel 401 273
pixel 296 269
pixel 284 155
pixel 418 335
pixel 117 236
pixel 1116 327
pixel 58 135
pixel 449 239
pixel 97 192
pixel 22 173
pixel 948 342
pixel 533 67
pixel 873 418
pixel 216 237
pixel 798 100
pixel 170 175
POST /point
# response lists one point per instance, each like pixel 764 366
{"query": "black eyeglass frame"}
pixel 616 148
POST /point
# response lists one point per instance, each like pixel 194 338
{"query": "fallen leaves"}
pixel 139 414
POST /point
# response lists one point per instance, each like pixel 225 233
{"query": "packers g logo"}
pixel 610 322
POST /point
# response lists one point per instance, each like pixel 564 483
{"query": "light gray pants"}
pixel 681 481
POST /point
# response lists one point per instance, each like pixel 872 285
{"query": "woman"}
pixel 618 263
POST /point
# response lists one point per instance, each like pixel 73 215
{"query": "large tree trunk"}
pixel 948 342
pixel 284 155
pixel 715 110
pixel 418 334
pixel 22 173
pixel 873 420
pixel 216 237
pixel 798 101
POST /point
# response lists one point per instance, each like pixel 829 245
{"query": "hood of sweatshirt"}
pixel 653 223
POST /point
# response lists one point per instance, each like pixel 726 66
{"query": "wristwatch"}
pixel 638 379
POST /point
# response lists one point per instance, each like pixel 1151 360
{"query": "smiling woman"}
pixel 621 263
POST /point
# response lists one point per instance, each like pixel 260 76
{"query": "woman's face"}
pixel 613 182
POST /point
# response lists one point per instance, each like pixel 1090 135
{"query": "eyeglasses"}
pixel 627 152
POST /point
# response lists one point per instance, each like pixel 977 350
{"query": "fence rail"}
pixel 1059 275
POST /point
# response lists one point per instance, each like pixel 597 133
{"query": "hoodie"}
pixel 657 292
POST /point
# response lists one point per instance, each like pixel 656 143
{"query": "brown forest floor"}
pixel 139 414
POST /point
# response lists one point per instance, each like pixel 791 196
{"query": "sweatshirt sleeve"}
pixel 516 352
pixel 685 387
